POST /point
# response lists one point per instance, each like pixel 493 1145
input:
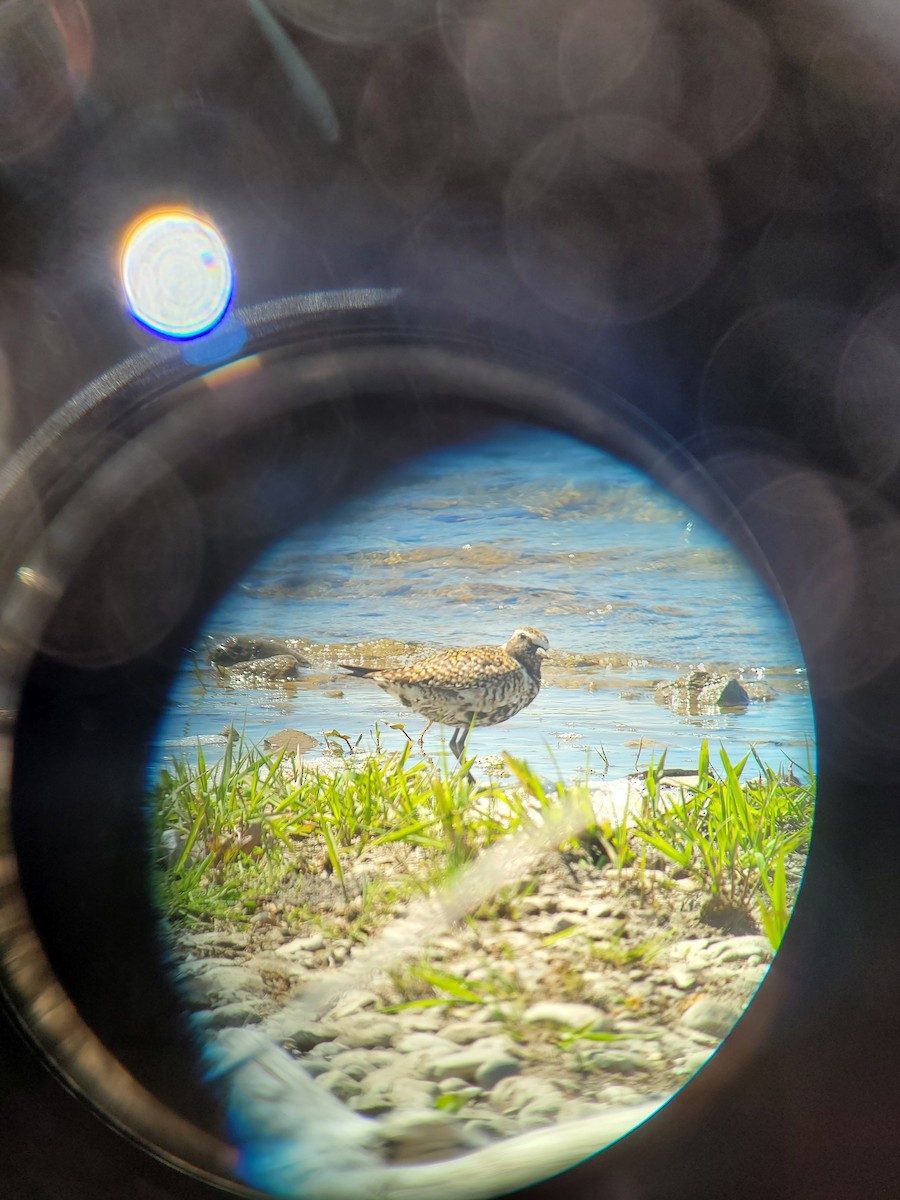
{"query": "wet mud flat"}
pixel 576 990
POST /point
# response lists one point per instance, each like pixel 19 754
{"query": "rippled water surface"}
pixel 460 548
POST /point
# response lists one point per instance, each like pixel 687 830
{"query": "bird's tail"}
pixel 363 672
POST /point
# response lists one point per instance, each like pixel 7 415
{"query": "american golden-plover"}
pixel 482 685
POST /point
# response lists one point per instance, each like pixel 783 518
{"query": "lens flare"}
pixel 176 272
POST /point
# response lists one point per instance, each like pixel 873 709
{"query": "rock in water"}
pixel 279 666
pixel 243 648
pixel 702 693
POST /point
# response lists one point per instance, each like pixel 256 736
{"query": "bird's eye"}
pixel 343 864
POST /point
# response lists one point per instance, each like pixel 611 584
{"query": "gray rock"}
pixel 682 978
pixel 636 1028
pixel 366 1060
pixel 675 1044
pixel 301 945
pixel 735 949
pixel 600 991
pixel 315 1066
pixel 489 1126
pixel 272 938
pixel 577 1110
pixel 371 1104
pixel 461 1090
pixel 414 1093
pixel 511 1095
pixel 711 1017
pixel 540 1112
pixel 353 1002
pixel 210 983
pixel 491 1072
pixel 604 929
pixel 611 1058
pixel 307 1036
pixel 570 918
pixel 428 1043
pixel 641 988
pixel 531 973
pixel 384 1078
pixel 466 1063
pixel 292 741
pixel 421 1136
pixel 738 983
pixel 330 1050
pixel 425 1020
pixel 172 845
pixel 461 1065
pixel 355 1071
pixel 616 1095
pixel 241 648
pixel 278 666
pixel 366 1031
pixel 464 1032
pixel 339 1084
pixel 692 1063
pixel 692 951
pixel 550 923
pixel 453 1084
pixel 215 939
pixel 566 1015
pixel 450 943
pixel 666 992
pixel 228 1016
pixel 703 693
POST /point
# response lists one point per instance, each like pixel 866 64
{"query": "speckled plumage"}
pixel 482 685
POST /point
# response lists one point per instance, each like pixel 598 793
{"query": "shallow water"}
pixel 462 547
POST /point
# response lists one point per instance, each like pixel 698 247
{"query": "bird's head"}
pixel 528 645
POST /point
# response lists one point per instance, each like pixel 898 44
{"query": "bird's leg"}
pixel 422 737
pixel 457 745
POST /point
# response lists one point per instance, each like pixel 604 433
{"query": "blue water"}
pixel 463 546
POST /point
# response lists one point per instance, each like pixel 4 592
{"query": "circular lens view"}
pixel 481 809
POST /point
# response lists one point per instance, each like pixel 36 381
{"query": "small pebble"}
pixel 340 1084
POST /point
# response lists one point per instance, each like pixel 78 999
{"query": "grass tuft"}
pixel 230 833
pixel 734 838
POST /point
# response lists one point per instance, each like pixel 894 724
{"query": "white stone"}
pixel 565 1014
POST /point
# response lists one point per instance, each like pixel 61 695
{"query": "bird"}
pixel 481 685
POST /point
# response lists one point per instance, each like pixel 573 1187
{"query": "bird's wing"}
pixel 456 669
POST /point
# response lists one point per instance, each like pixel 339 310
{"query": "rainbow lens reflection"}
pixel 176 272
